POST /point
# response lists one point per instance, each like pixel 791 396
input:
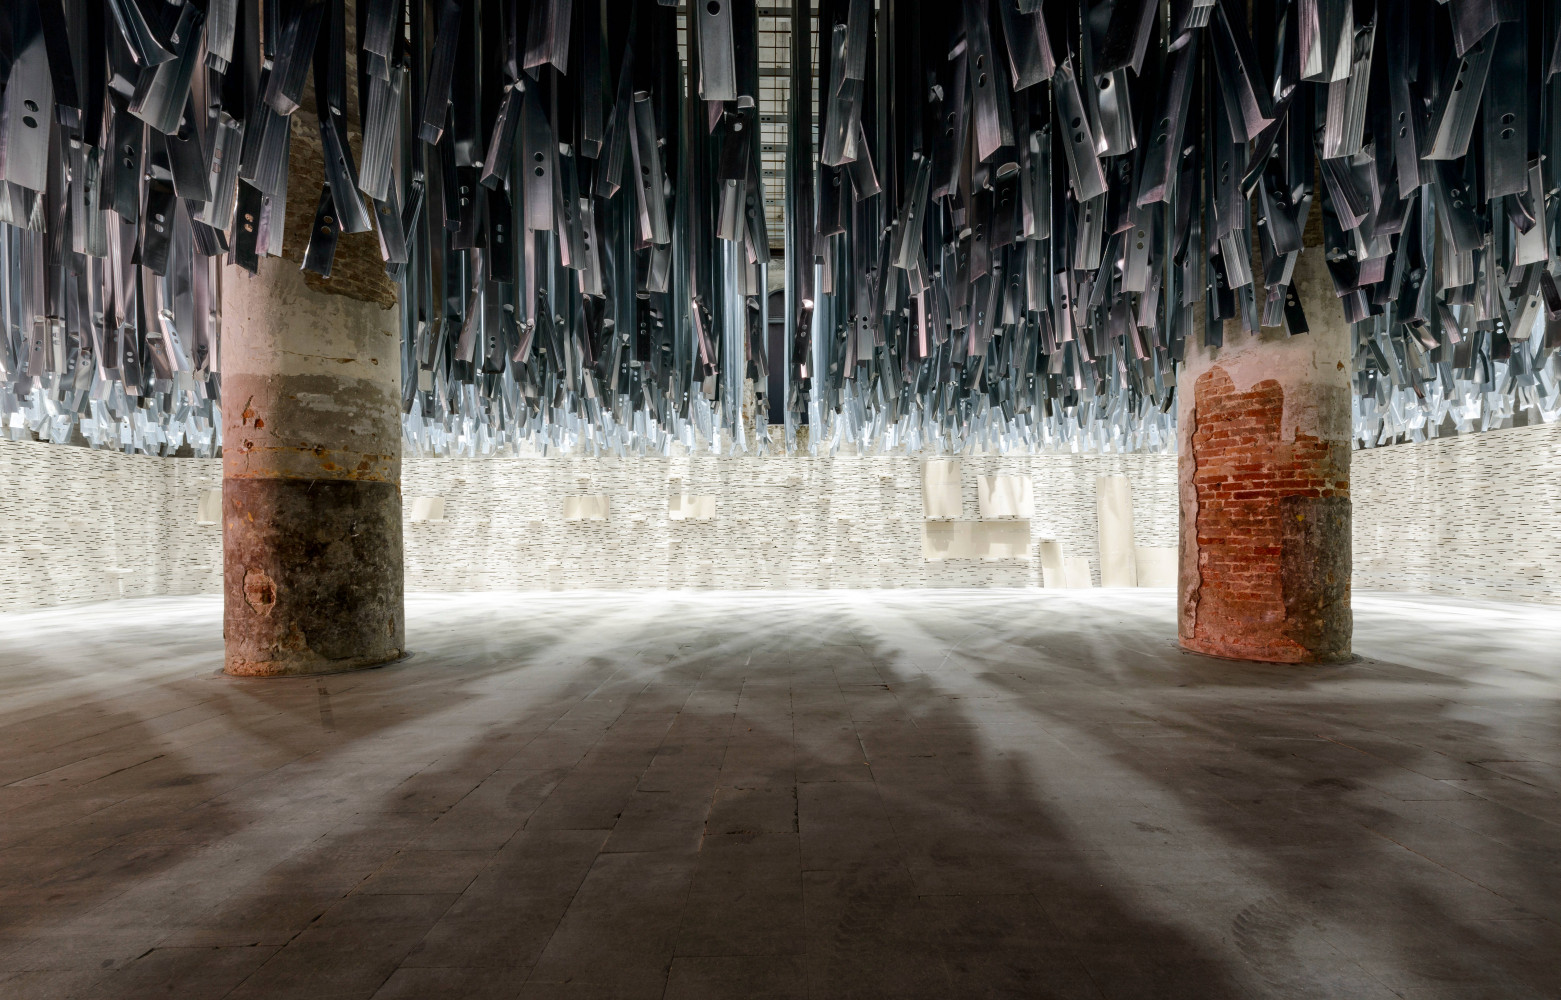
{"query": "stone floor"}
pixel 864 794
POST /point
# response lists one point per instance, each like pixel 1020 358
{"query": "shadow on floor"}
pixel 786 796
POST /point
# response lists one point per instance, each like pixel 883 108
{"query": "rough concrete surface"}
pixel 311 575
pixel 860 794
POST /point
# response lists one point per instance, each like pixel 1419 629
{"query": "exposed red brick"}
pixel 1249 484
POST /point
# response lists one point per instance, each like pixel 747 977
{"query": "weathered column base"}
pixel 312 576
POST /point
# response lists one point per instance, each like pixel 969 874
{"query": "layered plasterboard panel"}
pixel 208 507
pixel 1060 570
pixel 942 493
pixel 1049 552
pixel 1076 574
pixel 426 509
pixel 1114 516
pixel 1156 565
pixel 585 508
pixel 1004 496
pixel 691 507
pixel 975 540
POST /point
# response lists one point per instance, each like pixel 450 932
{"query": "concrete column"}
pixel 1264 458
pixel 311 465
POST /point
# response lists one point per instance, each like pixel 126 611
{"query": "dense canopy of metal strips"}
pixel 1011 217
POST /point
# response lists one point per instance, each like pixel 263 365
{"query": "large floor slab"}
pixel 830 794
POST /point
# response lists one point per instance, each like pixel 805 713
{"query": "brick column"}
pixel 311 456
pixel 1264 462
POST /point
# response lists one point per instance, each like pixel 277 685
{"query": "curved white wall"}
pixel 73 518
pixel 779 522
pixel 1476 514
pixel 82 525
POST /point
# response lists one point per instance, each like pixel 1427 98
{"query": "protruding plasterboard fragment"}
pixel 208 507
pixel 1075 573
pixel 585 508
pixel 940 494
pixel 1050 552
pixel 427 510
pixel 1156 565
pixel 1114 507
pixel 688 507
pixel 1004 496
pixel 942 540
